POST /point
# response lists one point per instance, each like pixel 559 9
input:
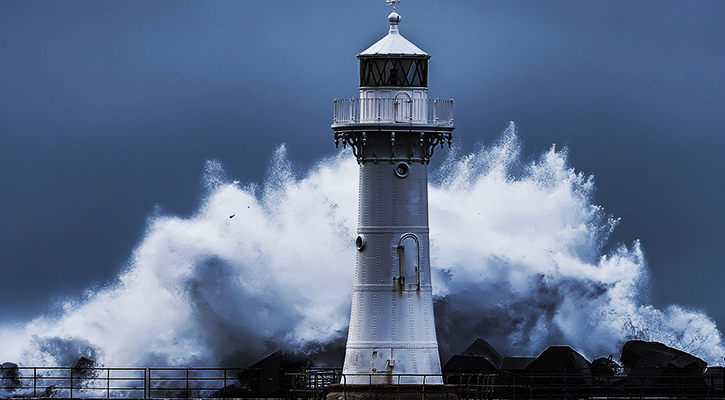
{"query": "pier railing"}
pixel 393 110
pixel 170 383
pixel 133 383
pixel 650 383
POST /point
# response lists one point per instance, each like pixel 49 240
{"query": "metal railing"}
pixel 73 382
pixel 313 384
pixel 154 383
pixel 392 110
pixel 506 385
pixel 147 383
pixel 191 382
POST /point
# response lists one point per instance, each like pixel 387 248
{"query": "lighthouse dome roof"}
pixel 393 43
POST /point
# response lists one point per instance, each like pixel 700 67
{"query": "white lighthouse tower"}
pixel 393 129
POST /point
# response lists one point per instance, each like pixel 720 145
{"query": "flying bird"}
pixel 232 216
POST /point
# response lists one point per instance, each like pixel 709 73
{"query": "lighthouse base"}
pixel 391 392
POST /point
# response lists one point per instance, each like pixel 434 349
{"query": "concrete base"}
pixel 391 392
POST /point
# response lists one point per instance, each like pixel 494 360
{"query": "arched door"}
pixel 409 261
pixel 403 107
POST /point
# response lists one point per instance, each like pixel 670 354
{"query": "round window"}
pixel 402 170
pixel 360 242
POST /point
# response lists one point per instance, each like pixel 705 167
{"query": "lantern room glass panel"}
pixel 402 72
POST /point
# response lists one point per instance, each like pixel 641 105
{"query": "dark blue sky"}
pixel 108 110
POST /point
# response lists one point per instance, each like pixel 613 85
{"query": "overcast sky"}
pixel 108 111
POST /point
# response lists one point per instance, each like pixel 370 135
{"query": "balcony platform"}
pixel 388 113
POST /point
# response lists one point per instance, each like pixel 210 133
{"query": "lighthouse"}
pixel 393 130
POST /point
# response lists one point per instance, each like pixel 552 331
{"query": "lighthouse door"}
pixel 403 107
pixel 409 259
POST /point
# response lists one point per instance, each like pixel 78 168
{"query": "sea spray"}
pixel 517 248
pixel 517 256
pixel 243 276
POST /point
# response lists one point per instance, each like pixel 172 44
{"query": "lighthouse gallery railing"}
pixel 393 110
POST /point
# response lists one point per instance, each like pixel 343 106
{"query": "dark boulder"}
pixel 560 360
pixel 9 375
pixel 634 350
pixel 269 376
pixel 660 369
pixel 468 365
pixel 559 372
pixel 605 366
pixel 479 358
pixel 516 364
pixel 481 348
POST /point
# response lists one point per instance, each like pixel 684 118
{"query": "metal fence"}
pixel 649 384
pixel 147 383
pixel 154 383
pixel 190 382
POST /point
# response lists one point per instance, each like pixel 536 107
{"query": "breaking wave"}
pixel 517 256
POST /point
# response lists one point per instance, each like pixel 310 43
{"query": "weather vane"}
pixel 392 3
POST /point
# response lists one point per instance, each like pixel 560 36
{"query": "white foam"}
pixel 516 255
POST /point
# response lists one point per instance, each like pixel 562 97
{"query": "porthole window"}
pixel 360 243
pixel 402 170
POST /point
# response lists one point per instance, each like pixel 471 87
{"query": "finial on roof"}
pixel 393 17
